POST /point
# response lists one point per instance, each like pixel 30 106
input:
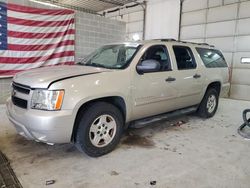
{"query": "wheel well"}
pixel 115 100
pixel 215 85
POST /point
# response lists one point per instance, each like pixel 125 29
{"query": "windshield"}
pixel 111 56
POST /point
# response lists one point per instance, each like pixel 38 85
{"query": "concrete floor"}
pixel 184 152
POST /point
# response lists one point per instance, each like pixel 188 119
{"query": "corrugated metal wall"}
pixel 225 24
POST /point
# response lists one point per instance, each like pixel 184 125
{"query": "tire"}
pixel 99 129
pixel 209 104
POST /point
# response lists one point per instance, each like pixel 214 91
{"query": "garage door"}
pixel 225 24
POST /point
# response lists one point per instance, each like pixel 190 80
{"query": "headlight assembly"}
pixel 47 100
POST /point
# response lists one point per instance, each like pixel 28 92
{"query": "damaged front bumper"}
pixel 43 126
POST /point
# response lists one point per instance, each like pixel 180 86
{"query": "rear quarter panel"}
pixel 217 74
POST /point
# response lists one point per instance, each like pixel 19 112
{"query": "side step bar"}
pixel 149 120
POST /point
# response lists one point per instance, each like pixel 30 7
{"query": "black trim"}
pixel 21 88
pixel 142 122
pixel 21 85
pixel 19 102
pixel 71 77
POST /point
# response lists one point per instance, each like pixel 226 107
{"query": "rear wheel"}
pixel 209 103
pixel 99 130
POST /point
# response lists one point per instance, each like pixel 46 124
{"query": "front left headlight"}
pixel 47 100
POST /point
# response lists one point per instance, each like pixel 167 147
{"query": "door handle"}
pixel 197 76
pixel 170 79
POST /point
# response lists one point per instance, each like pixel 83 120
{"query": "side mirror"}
pixel 147 66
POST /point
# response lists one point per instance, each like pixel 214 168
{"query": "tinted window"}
pixel 160 54
pixel 184 57
pixel 211 57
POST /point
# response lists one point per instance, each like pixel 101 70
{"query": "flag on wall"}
pixel 33 37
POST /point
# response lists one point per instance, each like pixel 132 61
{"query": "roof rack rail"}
pixel 166 39
pixel 197 43
pixel 174 40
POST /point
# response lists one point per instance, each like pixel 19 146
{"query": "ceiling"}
pixel 91 6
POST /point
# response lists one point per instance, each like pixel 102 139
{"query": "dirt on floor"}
pixel 183 152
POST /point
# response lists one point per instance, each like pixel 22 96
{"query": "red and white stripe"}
pixel 37 37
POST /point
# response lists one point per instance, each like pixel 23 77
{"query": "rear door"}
pixel 189 75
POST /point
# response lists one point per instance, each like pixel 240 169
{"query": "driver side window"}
pixel 157 53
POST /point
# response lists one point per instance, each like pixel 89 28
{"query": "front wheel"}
pixel 99 130
pixel 209 104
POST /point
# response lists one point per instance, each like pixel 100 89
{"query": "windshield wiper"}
pixel 95 65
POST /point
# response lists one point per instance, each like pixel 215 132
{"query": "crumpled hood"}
pixel 42 77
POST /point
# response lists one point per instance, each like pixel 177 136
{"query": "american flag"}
pixel 34 37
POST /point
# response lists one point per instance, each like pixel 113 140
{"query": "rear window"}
pixel 212 58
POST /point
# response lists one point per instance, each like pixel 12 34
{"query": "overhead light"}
pixel 136 37
pixel 245 60
pixel 45 3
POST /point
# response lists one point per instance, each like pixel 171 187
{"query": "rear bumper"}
pixel 43 126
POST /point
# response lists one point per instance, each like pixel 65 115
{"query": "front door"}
pixel 154 92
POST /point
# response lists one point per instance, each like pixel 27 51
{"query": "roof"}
pixel 90 6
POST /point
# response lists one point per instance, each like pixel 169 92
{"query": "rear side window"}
pixel 212 58
pixel 184 57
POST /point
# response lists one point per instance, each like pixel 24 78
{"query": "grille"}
pixel 19 102
pixel 21 88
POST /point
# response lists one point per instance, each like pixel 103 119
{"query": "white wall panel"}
pixel 221 29
pixel 193 31
pixel 244 27
pixel 222 13
pixel 162 19
pixel 196 17
pixel 214 3
pixel 191 5
pixel 241 76
pixel 240 92
pixel 196 40
pixel 225 44
pixel 244 9
pixel 230 1
pixel 243 43
pixel 135 16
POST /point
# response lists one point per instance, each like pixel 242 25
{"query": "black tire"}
pixel 203 110
pixel 82 138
